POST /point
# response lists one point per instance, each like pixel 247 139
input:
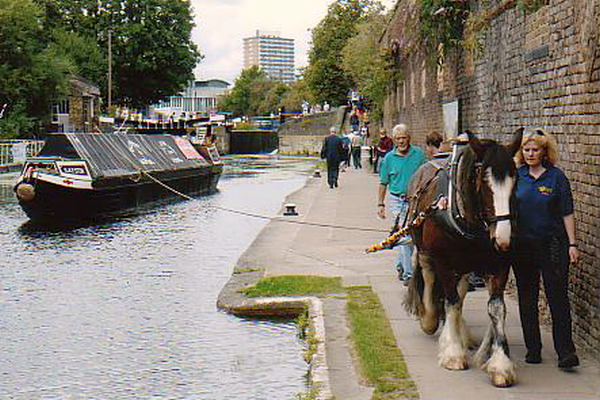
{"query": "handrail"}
pixel 14 152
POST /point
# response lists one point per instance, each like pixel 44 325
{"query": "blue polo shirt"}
pixel 543 202
pixel 396 170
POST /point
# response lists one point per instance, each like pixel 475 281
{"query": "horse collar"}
pixel 452 214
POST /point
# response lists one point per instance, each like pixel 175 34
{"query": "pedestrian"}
pixel 384 146
pixel 546 245
pixel 356 145
pixel 397 168
pixel 433 141
pixel 346 146
pixel 354 121
pixel 332 151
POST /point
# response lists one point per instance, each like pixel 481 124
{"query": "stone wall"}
pixel 536 70
pixel 305 135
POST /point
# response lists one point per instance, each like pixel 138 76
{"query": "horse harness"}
pixel 451 218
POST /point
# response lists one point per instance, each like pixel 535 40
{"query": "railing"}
pixel 14 152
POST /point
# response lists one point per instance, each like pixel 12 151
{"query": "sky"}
pixel 221 26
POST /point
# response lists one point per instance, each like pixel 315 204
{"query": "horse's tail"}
pixel 413 300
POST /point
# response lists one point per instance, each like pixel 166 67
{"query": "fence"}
pixel 14 152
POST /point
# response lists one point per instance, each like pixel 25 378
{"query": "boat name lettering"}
pixel 74 170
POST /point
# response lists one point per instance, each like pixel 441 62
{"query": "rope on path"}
pixel 253 215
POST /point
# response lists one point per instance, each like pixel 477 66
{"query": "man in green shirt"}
pixel 397 168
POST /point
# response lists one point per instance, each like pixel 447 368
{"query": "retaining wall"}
pixel 305 135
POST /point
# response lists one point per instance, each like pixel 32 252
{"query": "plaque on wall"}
pixel 450 112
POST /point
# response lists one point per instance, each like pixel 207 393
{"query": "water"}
pixel 126 309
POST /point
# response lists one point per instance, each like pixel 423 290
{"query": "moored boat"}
pixel 78 176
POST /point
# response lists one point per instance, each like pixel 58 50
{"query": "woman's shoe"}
pixel 533 357
pixel 569 361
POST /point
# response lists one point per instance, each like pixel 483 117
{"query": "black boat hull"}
pixel 116 196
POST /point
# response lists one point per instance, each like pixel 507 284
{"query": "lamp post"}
pixel 109 69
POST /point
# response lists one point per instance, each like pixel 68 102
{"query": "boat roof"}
pixel 112 155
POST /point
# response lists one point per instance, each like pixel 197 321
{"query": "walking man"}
pixel 332 151
pixel 397 168
pixel 356 145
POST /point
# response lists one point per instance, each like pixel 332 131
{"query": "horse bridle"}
pixel 487 221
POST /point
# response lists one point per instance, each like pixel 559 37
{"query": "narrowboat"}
pixel 81 176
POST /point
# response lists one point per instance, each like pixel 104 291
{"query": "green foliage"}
pixel 153 54
pixel 247 93
pixel 325 75
pixel 32 72
pixel 293 98
pixel 89 60
pixel 382 363
pixel 442 23
pixel 368 64
pixel 295 286
pixel 254 93
pixel 531 6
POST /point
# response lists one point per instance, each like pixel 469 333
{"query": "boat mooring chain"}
pixel 253 215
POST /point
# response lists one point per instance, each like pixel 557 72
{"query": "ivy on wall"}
pixel 442 23
pixel 460 24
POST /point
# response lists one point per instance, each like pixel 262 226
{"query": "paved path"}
pixel 292 249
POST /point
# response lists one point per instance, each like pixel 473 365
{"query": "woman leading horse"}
pixel 473 233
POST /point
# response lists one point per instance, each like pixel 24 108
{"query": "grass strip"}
pixel 381 361
pixel 295 285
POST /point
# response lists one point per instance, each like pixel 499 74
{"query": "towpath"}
pixel 292 249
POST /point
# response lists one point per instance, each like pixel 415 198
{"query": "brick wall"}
pixel 536 70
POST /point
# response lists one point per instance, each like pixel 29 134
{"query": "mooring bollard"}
pixel 290 209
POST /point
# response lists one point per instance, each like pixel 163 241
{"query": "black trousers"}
pixel 356 157
pixel 550 258
pixel 333 171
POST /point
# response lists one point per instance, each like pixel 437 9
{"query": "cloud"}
pixel 221 26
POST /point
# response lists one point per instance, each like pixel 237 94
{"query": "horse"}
pixel 471 234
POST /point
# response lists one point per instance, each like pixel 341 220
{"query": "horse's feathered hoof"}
pixel 502 380
pixel 455 363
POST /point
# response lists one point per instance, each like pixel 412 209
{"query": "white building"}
pixel 271 53
pixel 199 98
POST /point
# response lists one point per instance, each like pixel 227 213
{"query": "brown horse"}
pixel 473 233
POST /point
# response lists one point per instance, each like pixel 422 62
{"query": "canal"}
pixel 125 309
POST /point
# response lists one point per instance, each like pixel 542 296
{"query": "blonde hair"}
pixel 545 141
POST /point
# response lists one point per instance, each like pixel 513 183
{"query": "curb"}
pixel 232 301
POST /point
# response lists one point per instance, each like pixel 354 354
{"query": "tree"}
pixel 298 93
pixel 253 93
pixel 324 75
pixel 88 59
pixel 32 72
pixel 271 101
pixel 367 63
pixel 153 54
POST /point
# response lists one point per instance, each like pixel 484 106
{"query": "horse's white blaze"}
pixel 501 194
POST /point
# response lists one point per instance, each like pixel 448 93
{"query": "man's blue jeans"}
pixel 399 209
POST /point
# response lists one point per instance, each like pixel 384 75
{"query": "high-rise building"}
pixel 271 53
